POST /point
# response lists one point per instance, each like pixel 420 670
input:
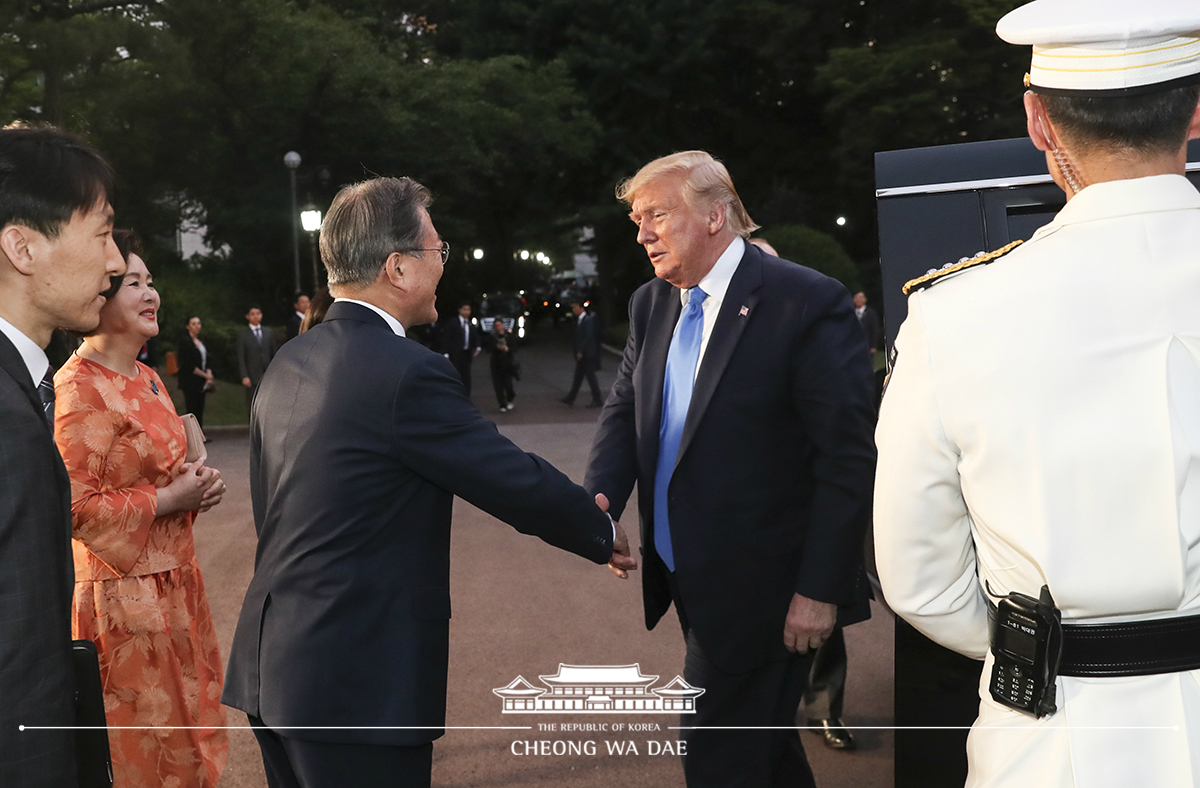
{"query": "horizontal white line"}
pixel 919 727
pixel 989 183
pixel 279 727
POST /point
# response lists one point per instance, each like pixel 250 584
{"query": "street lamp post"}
pixel 310 217
pixel 292 160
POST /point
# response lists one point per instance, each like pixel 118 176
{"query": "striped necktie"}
pixel 45 391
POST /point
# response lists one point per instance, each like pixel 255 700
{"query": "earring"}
pixel 1068 172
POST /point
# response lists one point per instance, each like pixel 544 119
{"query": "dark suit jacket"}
pixel 37 578
pixel 293 325
pixel 587 337
pixel 871 327
pixel 452 339
pixel 254 355
pixel 359 441
pixel 771 491
pixel 189 360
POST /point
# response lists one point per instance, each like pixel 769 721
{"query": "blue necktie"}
pixel 682 358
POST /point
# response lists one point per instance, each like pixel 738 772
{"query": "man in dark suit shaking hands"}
pixel 742 410
pixel 359 440
pixel 56 257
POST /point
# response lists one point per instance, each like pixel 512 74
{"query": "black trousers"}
pixel 502 383
pixel 827 679
pixel 462 362
pixel 585 367
pixel 292 763
pixel 767 697
pixel 193 402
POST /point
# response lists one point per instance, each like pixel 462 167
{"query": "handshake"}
pixel 621 563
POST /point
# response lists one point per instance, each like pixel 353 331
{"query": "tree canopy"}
pixel 520 115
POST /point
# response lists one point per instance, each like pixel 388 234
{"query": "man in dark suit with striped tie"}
pixel 742 411
pixel 56 257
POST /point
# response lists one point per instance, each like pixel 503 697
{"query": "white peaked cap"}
pixel 1107 47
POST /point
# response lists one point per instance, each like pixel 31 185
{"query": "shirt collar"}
pixel 33 356
pixel 716 282
pixel 392 322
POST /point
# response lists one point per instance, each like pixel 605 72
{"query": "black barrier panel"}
pixel 939 205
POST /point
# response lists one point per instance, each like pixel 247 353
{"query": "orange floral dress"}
pixel 138 591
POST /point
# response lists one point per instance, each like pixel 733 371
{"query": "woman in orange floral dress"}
pixel 138 591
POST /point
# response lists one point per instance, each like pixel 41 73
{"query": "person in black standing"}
pixel 868 318
pixel 587 355
pixel 255 349
pixel 299 309
pixel 504 364
pixel 56 257
pixel 195 377
pixel 461 343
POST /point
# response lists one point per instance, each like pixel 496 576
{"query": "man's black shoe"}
pixel 567 401
pixel 835 733
pixel 595 404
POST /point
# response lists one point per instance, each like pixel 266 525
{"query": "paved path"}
pixel 521 608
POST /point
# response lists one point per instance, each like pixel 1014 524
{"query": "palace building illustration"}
pixel 615 689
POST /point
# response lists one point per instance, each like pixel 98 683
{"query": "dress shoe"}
pixel 595 404
pixel 835 733
pixel 567 401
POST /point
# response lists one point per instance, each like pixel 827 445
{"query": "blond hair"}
pixel 706 181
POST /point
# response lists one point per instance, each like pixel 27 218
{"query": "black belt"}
pixel 1131 648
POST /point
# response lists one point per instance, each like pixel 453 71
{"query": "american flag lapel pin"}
pixel 745 311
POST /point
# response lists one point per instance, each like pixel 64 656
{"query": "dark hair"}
pixel 46 175
pixel 318 305
pixel 1149 123
pixel 298 295
pixel 127 242
pixel 367 222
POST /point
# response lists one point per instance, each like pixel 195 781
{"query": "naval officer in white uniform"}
pixel 1041 425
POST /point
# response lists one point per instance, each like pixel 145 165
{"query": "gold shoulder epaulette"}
pixel 934 274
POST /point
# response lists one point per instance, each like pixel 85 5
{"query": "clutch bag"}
pixel 195 439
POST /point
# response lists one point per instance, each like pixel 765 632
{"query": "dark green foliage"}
pixel 816 250
pixel 520 115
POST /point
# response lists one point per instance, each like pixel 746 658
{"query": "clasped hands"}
pixel 195 488
pixel 621 563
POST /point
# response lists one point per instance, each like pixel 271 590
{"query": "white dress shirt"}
pixel 33 356
pixel 392 322
pixel 715 283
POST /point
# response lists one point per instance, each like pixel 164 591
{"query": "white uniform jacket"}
pixel 1042 426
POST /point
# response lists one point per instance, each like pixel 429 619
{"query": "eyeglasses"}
pixel 444 249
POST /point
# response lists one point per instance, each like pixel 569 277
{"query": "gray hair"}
pixel 367 222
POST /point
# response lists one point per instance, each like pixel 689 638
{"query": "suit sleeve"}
pixel 441 435
pixel 924 550
pixel 612 465
pixel 832 385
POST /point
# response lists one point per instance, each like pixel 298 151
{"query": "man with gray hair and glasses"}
pixel 360 440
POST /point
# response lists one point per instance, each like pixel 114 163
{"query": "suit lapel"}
pixel 736 310
pixel 14 365
pixel 660 326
